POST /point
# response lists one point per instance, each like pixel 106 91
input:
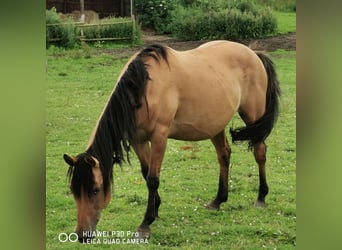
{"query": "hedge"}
pixel 197 24
pixel 120 28
pixel 207 19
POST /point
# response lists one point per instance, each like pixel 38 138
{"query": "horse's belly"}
pixel 198 128
pixel 188 132
pixel 204 113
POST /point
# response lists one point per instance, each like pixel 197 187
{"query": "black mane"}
pixel 116 129
pixel 80 175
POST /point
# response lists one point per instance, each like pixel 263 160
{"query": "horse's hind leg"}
pixel 260 158
pixel 223 155
pixel 249 113
pixel 259 151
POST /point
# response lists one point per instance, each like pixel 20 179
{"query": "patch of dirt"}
pixel 286 42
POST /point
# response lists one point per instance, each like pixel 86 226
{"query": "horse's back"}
pixel 230 61
pixel 229 55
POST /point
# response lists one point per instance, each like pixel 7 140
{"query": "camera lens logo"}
pixel 64 237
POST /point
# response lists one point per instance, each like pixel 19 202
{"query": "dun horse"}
pixel 190 95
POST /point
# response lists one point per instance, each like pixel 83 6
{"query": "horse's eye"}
pixel 96 191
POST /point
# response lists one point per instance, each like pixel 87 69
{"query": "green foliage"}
pixel 279 5
pixel 111 27
pixel 69 38
pixel 243 20
pixel 58 33
pixel 52 17
pixel 286 22
pixel 67 34
pixel 155 14
pixel 53 30
pixel 189 19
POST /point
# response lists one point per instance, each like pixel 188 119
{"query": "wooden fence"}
pixel 84 26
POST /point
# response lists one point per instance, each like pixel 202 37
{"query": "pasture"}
pixel 78 85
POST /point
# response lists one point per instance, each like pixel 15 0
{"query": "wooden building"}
pixel 104 8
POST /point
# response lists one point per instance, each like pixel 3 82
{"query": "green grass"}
pixel 77 89
pixel 286 22
pixel 279 5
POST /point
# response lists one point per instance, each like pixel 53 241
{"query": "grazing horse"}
pixel 190 95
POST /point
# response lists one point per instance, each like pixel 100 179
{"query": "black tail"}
pixel 261 128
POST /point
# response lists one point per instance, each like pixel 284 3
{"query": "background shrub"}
pixel 241 20
pixel 207 19
pixel 111 28
pixel 67 34
pixel 52 31
pixel 51 16
pixel 155 14
pixel 69 37
pixel 58 33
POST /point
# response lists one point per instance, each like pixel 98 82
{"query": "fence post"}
pixel 82 20
pixel 133 29
pixel 133 21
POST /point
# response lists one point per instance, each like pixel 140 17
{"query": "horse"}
pixel 189 95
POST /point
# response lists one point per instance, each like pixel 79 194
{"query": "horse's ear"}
pixel 90 160
pixel 69 160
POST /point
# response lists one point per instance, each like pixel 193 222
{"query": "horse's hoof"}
pixel 143 233
pixel 212 206
pixel 261 204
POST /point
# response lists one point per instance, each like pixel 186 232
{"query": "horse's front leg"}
pixel 158 146
pixel 143 152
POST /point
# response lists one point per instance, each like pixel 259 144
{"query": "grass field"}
pixel 286 22
pixel 77 89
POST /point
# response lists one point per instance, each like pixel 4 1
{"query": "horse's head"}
pixel 87 186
